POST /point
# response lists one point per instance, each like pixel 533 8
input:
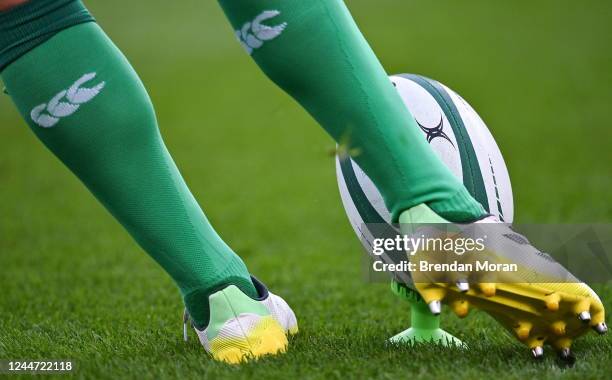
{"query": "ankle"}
pixel 460 208
pixel 197 300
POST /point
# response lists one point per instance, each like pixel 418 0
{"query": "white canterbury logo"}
pixel 253 34
pixel 66 102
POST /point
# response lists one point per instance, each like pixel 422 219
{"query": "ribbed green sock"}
pixel 315 52
pixel 84 101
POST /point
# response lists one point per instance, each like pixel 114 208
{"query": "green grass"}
pixel 74 285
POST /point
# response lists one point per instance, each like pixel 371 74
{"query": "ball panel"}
pixel 466 147
pixel 373 196
pixel 354 204
pixel 432 120
pixel 493 168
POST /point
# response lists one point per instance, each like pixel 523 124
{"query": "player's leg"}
pixel 314 51
pixel 83 100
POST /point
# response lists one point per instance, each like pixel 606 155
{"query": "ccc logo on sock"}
pixel 66 102
pixel 253 34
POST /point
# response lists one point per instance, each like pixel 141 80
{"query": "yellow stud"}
pixel 523 330
pixel 582 305
pixel 536 341
pixel 431 292
pixel 562 343
pixel 552 301
pixel 488 288
pixel 461 308
pixel 558 328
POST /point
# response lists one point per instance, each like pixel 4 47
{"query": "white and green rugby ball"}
pixel 458 136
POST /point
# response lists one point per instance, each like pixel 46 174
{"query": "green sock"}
pixel 315 52
pixel 84 101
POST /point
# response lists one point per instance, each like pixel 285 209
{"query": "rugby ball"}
pixel 458 136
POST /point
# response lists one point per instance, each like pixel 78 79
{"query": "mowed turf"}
pixel 74 285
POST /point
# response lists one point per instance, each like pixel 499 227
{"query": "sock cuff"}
pixel 30 24
pixel 459 208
